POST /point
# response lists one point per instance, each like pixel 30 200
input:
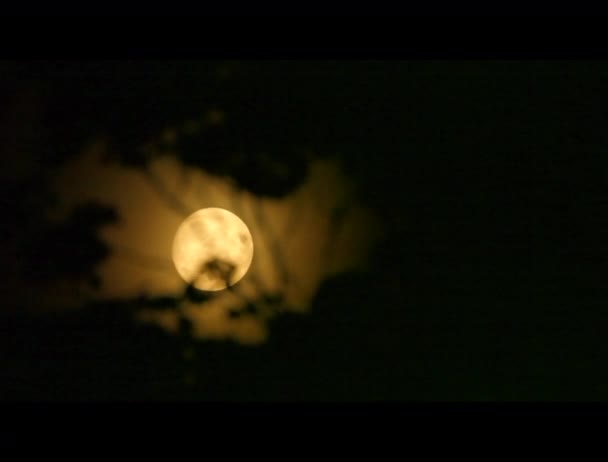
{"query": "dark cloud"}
pixel 488 176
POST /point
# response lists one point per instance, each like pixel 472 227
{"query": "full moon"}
pixel 212 249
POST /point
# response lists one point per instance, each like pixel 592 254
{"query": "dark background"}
pixel 488 176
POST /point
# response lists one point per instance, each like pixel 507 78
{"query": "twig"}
pixel 171 199
pixel 236 206
pixel 275 248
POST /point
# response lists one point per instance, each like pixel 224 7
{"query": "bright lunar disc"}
pixel 212 249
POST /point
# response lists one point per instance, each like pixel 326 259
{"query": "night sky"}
pixel 488 178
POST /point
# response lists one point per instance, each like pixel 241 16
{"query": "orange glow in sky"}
pixel 294 236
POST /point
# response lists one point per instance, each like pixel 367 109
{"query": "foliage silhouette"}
pixel 70 249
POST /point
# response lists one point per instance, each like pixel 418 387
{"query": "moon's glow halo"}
pixel 212 249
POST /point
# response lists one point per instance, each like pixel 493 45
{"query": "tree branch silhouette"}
pixel 164 193
pixel 276 250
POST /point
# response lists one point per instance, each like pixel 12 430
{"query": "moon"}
pixel 212 249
